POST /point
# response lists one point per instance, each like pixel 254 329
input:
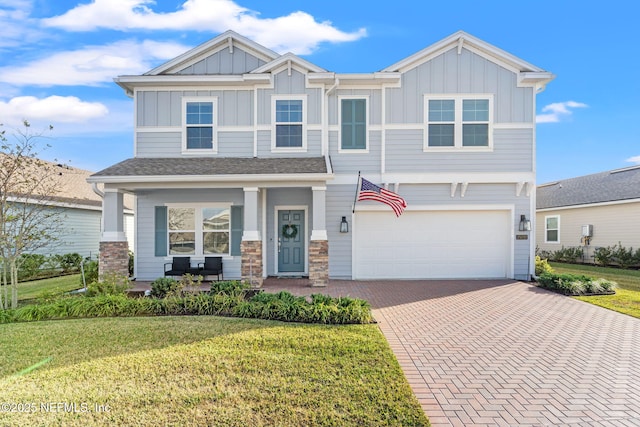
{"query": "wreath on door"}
pixel 289 231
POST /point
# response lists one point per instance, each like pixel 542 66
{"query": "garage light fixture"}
pixel 525 224
pixel 344 225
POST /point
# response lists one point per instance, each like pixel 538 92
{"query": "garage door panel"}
pixel 432 244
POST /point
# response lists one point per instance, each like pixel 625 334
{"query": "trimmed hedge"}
pixel 281 306
pixel 574 284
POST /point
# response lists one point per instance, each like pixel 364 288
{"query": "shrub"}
pixel 624 257
pixel 164 286
pixel 70 262
pixel 228 287
pixel 111 284
pixel 542 266
pixel 566 254
pixel 90 269
pixel 30 265
pixel 604 255
pixel 573 284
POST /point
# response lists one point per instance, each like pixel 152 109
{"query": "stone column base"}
pixel 251 262
pixel 114 258
pixel 319 262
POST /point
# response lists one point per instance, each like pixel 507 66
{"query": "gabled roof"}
pixel 228 38
pixel 285 59
pixel 529 73
pixel 610 186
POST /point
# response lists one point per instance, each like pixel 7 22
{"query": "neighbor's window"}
pixel 289 116
pixel 458 122
pixel 199 125
pixel 353 124
pixel 552 229
pixel 198 231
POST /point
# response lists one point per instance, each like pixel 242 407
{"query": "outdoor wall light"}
pixel 344 225
pixel 525 224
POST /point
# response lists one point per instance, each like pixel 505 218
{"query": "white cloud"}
pixel 53 109
pixel 297 32
pixel 17 27
pixel 557 111
pixel 92 65
pixel 634 159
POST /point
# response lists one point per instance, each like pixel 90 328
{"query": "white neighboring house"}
pixel 591 211
pixel 236 145
pixel 81 214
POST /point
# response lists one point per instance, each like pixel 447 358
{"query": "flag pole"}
pixel 355 198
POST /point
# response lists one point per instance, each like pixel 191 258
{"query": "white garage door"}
pixel 432 245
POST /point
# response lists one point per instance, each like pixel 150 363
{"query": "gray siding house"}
pixel 236 145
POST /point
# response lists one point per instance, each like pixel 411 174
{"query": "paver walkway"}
pixel 504 353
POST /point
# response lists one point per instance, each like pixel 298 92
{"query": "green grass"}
pixel 35 288
pixel 627 297
pixel 203 371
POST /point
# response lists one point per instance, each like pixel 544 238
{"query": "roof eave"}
pixel 118 179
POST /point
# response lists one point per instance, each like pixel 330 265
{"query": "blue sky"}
pixel 58 59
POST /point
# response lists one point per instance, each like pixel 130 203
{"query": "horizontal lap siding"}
pixel 353 162
pixel 79 232
pixel 512 152
pixel 612 224
pixel 158 144
pixel 150 267
pixel 235 144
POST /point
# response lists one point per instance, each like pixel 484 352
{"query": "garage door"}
pixel 432 244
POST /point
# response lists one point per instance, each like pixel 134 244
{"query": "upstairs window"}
pixel 199 125
pixel 458 122
pixel 289 123
pixel 353 124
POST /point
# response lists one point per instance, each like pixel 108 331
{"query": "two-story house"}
pixel 254 156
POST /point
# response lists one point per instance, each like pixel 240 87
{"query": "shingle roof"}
pixel 620 184
pixel 202 166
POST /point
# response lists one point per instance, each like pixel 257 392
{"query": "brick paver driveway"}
pixel 481 353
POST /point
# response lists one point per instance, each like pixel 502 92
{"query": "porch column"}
pixel 114 249
pixel 251 245
pixel 319 244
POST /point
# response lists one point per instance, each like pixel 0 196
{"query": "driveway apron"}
pixel 504 353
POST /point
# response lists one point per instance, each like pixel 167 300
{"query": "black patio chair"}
pixel 180 266
pixel 212 266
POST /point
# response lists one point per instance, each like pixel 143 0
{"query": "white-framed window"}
pixel 198 230
pixel 456 122
pixel 552 229
pixel 199 124
pixel 289 116
pixel 354 119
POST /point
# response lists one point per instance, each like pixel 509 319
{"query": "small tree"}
pixel 27 220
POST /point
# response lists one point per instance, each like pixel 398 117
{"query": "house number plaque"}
pixel 522 237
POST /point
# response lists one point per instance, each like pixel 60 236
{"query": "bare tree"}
pixel 27 219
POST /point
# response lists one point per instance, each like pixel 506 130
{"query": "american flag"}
pixel 370 191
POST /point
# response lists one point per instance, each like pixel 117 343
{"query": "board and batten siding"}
pixel 465 73
pixel 151 267
pixel 612 224
pixel 164 108
pixel 225 62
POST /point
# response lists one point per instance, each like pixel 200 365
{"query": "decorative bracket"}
pixel 454 187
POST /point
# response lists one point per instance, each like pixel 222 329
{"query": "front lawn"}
pixel 36 288
pixel 627 297
pixel 201 371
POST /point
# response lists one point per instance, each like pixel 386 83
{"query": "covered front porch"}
pixel 265 223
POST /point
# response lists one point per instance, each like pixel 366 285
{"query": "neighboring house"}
pixel 234 143
pixel 80 212
pixel 591 211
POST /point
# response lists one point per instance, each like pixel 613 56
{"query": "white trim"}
pixel 214 125
pixel 303 123
pixel 319 235
pixel 276 217
pixel 589 205
pixel 263 209
pixel 439 177
pixel 113 236
pixel 367 120
pixel 458 121
pixel 557 242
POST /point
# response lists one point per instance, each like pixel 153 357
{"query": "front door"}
pixel 290 232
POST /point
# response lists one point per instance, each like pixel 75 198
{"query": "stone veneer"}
pixel 251 263
pixel 319 262
pixel 114 258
